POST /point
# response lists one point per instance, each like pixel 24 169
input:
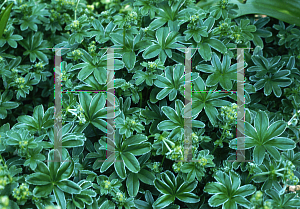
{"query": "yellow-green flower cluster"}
pixel 39 65
pixel 64 75
pixel 267 205
pixel 120 198
pixel 75 24
pixel 176 153
pixel 202 161
pixel 92 47
pixel 81 115
pixel 23 144
pixel 20 80
pixel 4 180
pixel 25 9
pixel 152 66
pixel 156 167
pixel 289 176
pixel 131 19
pixel 224 27
pixel 77 54
pixel 54 15
pixel 195 138
pixel 223 3
pixel 1 59
pixel 177 166
pixel 127 86
pixel 65 2
pixel 194 18
pixel 22 192
pixel 257 197
pixel 4 202
pixel 106 185
pixel 229 113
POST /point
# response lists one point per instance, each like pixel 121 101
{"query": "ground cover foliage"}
pixel 149 107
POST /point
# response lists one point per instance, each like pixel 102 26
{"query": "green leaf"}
pixel 261 123
pixel 230 204
pixel 129 58
pixel 53 162
pixel 245 190
pixel 146 177
pixel 214 188
pixel 131 162
pixel 188 197
pixel 42 168
pixel 163 201
pixel 68 187
pixel 132 184
pixel 151 51
pixel 259 154
pixel 217 45
pixel 287 12
pixel 217 200
pixel 276 129
pixel 43 191
pixel 120 167
pixel 60 197
pixel 162 187
pixel 282 143
pixel 38 179
pixel 4 16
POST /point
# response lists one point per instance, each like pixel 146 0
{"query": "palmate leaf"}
pixel 269 75
pixel 169 13
pixel 129 47
pixel 171 83
pixel 222 73
pixel 206 43
pixel 39 121
pixel 176 120
pixel 94 109
pixel 124 152
pixel 228 191
pixel 172 188
pixel 165 41
pixel 207 101
pixel 10 39
pixel 6 104
pixel 96 65
pixel 34 46
pixel 265 137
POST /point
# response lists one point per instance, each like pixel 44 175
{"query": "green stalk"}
pixel 76 8
pixel 3 4
pixel 162 162
pixel 141 99
pixel 167 146
pixel 222 136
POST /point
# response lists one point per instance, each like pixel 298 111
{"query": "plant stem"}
pixel 162 162
pixel 76 8
pixel 220 140
pixel 3 4
pixel 141 99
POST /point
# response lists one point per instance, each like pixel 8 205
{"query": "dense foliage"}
pixel 149 171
